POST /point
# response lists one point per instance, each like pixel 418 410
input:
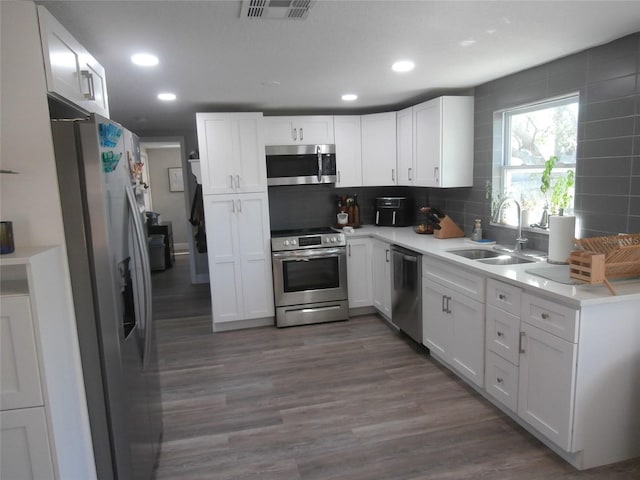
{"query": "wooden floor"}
pixel 349 400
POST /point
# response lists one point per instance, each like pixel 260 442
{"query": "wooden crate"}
pixel 600 259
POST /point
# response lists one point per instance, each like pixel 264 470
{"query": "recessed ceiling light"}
pixel 403 66
pixel 467 43
pixel 349 97
pixel 144 59
pixel 167 97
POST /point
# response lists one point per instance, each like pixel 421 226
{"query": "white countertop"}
pixel 575 295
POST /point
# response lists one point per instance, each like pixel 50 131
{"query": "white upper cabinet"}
pixel 313 130
pixel 348 140
pixel 404 147
pixel 232 158
pixel 443 142
pixel 379 149
pixel 71 72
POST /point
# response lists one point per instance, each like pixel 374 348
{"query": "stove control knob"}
pixel 294 242
pixel 327 240
pixel 286 243
pixel 333 239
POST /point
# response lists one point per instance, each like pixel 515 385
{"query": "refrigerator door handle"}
pixel 146 274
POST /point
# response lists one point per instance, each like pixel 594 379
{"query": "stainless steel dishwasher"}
pixel 406 296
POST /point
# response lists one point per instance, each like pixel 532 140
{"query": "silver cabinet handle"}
pixel 294 134
pixel 436 174
pixel 522 338
pixel 409 174
pixel 301 134
pixel 393 174
pixel 349 250
pixel 237 181
pixel 448 305
pixel 545 316
pixel 500 334
pixel 502 296
pixel 239 206
pixel 443 300
pixel 386 253
pixel 231 180
pixel 92 91
pixel 233 206
pixel 499 380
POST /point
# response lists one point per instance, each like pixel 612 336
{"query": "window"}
pixel 528 137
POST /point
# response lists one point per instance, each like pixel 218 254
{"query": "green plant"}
pixel 557 191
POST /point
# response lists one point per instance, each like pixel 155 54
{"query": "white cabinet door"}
pixel 437 325
pixel 379 149
pixel 252 212
pixel 404 148
pixel 546 388
pixel 223 251
pixel 299 130
pixel 232 158
pixel 382 277
pixel 25 452
pixel 467 353
pixel 453 328
pixel 359 272
pixel 20 377
pixel 443 155
pixel 348 138
pixel 239 256
pixel 71 71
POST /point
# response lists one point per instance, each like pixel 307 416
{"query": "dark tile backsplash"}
pixel 608 164
pixel 608 80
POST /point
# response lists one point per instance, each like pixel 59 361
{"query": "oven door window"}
pixel 312 274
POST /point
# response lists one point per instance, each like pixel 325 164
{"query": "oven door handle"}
pixel 310 254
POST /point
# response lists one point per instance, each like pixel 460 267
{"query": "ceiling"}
pixel 214 60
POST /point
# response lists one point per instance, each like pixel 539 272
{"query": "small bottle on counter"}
pixel 476 235
pixel 356 211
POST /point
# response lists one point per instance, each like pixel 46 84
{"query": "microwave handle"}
pixel 319 163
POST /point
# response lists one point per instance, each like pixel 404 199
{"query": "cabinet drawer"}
pixel 501 380
pixel 503 333
pixel 504 296
pixel 449 275
pixel 551 317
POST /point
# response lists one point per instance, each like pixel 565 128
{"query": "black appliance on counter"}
pixel 393 211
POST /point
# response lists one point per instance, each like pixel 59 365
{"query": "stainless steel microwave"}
pixel 300 164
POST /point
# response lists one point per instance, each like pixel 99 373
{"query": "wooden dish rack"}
pixel 600 259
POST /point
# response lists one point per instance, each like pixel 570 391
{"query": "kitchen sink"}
pixel 476 253
pixel 492 257
pixel 506 260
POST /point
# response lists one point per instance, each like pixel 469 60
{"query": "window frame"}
pixel 502 148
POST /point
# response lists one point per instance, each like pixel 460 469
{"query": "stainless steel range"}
pixel 309 276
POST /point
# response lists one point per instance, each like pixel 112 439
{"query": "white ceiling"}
pixel 213 60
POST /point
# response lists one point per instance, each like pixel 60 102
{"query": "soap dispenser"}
pixel 476 235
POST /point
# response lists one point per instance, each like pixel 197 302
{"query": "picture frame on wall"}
pixel 176 182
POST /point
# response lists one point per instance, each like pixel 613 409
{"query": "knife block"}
pixel 448 229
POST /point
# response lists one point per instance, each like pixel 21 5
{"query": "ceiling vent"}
pixel 279 9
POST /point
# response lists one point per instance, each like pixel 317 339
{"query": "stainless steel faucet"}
pixel 520 240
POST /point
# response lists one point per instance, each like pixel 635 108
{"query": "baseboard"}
pixel 242 324
pixel 181 246
pixel 356 312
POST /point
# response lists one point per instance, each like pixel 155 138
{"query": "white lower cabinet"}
pixel 359 272
pixel 239 255
pixel 546 392
pixel 453 329
pixel 25 453
pixel 382 277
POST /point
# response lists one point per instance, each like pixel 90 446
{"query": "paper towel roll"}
pixel 562 230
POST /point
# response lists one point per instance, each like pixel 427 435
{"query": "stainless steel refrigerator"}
pixel 108 257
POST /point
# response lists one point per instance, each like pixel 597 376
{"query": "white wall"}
pixel 30 200
pixel 170 205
